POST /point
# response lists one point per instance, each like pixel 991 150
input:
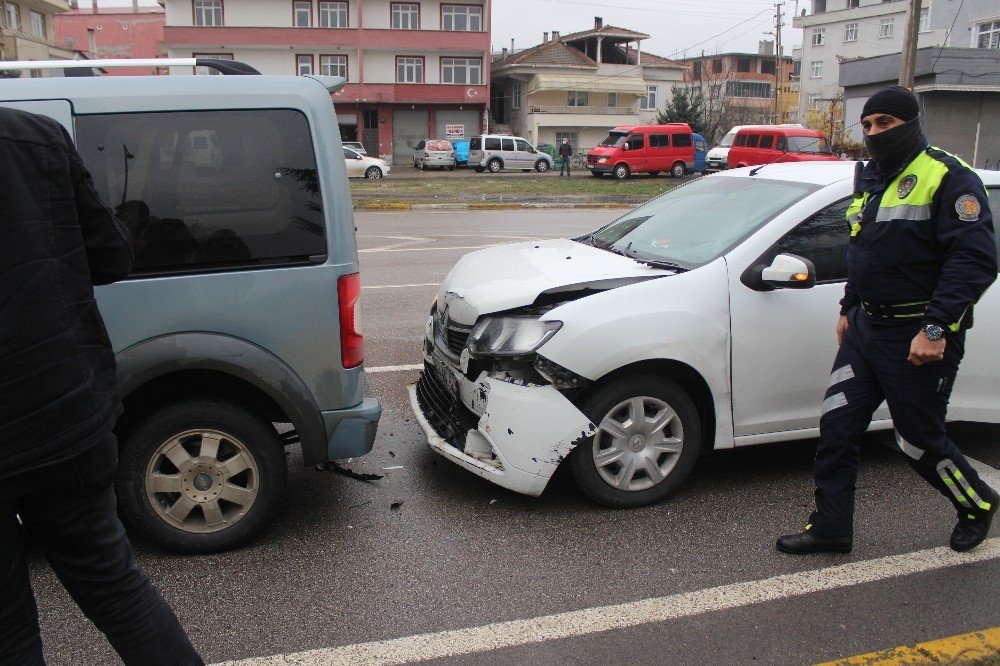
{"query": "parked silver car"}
pixel 494 152
pixel 434 153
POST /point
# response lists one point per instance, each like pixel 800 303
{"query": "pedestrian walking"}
pixel 59 402
pixel 565 152
pixel 922 252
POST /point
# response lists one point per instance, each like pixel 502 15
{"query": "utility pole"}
pixel 909 60
pixel 778 60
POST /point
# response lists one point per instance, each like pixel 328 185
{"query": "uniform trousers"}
pixel 69 511
pixel 872 366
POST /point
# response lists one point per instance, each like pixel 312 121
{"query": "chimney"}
pixel 503 53
pixel 765 47
pixel 598 23
pixel 93 7
pixel 555 35
pixel 545 38
pixel 512 46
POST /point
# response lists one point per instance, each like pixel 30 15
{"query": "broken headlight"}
pixel 510 336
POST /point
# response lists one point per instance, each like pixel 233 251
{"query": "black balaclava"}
pixel 892 149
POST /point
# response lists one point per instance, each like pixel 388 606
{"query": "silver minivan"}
pixel 236 335
pixel 495 152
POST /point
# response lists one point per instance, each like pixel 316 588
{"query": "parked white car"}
pixel 703 319
pixel 362 166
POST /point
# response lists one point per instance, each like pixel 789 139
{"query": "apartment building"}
pixel 838 31
pixel 27 32
pixel 740 88
pixel 579 86
pixel 115 32
pixel 414 69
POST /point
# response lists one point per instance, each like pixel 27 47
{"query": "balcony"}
pixel 411 93
pixel 587 110
pixel 395 40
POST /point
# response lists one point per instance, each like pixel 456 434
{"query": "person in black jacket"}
pixel 565 152
pixel 59 402
pixel 922 252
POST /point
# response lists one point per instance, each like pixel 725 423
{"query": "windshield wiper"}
pixel 656 263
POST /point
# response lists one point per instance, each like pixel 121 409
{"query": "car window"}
pixel 741 140
pixel 614 139
pixel 782 144
pixel 728 139
pixel 204 190
pixel 492 143
pixel 682 140
pixel 696 223
pixel 766 140
pixel 752 140
pixel 659 140
pixel 507 144
pixel 700 145
pixel 636 142
pixel 350 154
pixel 822 239
pixel 438 144
pixel 475 143
pixel 808 144
pixel 524 145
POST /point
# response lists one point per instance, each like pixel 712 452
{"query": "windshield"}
pixel 728 139
pixel 808 144
pixel 614 139
pixel 692 225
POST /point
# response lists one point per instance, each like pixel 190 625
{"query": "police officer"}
pixel 922 252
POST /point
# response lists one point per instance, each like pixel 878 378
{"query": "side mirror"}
pixel 789 271
pixel 625 146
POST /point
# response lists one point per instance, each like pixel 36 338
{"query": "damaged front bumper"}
pixel 512 433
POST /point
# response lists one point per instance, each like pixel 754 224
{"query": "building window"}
pixel 571 137
pixel 750 89
pixel 816 69
pixel 885 28
pixel 13 16
pixel 814 101
pixel 612 100
pixel 213 56
pixel 648 102
pixel 818 36
pixel 988 36
pixel 717 66
pixel 409 69
pixel 851 32
pixel 302 14
pixel 333 14
pixel 767 66
pixel 38 24
pixel 207 12
pixel 333 65
pixel 303 65
pixel 925 19
pixel 743 65
pixel 696 71
pixel 462 71
pixel 405 16
pixel 577 98
pixel 466 18
pixel 851 4
pixel 515 95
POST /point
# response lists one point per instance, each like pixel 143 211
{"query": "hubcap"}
pixel 638 443
pixel 202 481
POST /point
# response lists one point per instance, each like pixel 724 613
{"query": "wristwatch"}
pixel 933 332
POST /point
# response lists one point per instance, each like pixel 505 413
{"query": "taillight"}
pixel 352 343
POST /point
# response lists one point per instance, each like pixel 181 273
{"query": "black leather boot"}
pixel 807 542
pixel 970 532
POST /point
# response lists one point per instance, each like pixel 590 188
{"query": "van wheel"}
pixel 494 165
pixel 201 476
pixel 647 440
pixel 373 173
pixel 678 170
pixel 541 166
pixel 621 172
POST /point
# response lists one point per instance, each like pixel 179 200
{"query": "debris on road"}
pixel 333 466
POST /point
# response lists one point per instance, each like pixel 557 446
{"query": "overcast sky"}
pixel 676 28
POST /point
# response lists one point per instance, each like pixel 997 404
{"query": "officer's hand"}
pixel 841 329
pixel 923 350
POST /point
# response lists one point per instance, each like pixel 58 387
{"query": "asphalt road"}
pixel 432 548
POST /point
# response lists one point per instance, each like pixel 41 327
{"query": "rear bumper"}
pixel 351 432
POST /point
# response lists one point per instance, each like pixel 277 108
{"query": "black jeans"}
pixel 69 511
pixel 564 166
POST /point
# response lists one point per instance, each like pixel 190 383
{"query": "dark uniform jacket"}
pixel 924 235
pixel 58 393
pixel 565 150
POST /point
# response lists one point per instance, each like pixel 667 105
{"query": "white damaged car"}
pixel 703 319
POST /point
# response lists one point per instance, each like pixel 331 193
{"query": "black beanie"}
pixel 894 101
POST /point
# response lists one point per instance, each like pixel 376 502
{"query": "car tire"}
pixel 621 172
pixel 373 173
pixel 238 480
pixel 494 165
pixel 628 463
pixel 678 170
pixel 478 169
pixel 541 166
pixel 596 174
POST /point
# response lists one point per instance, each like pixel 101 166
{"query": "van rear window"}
pixel 659 140
pixel 476 143
pixel 766 140
pixel 752 140
pixel 492 143
pixel 209 190
pixel 682 140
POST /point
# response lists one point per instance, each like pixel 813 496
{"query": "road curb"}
pixel 380 205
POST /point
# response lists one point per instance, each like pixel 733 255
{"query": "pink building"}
pixel 115 32
pixel 414 70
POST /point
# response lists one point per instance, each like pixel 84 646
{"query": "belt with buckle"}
pixel 895 310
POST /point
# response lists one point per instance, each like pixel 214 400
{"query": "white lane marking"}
pixel 401 286
pixel 621 616
pixel 394 368
pixel 990 475
pixel 428 249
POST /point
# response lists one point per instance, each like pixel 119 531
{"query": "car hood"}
pixel 512 276
pixel 602 151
